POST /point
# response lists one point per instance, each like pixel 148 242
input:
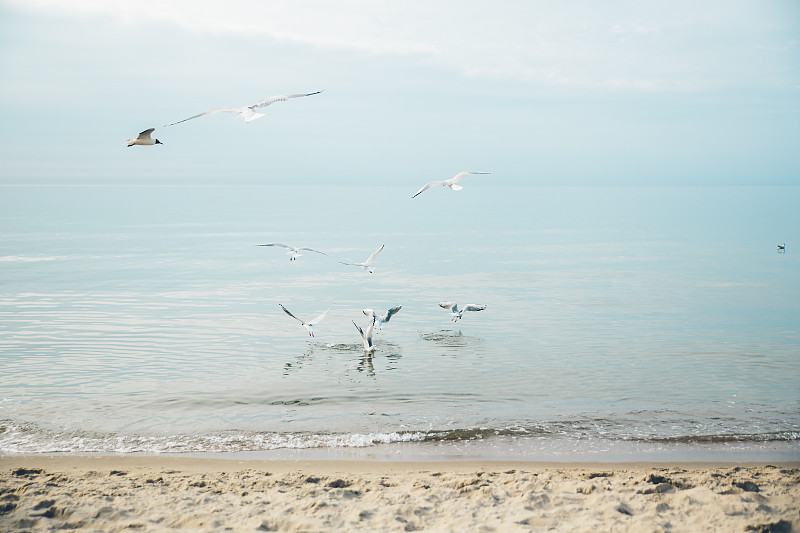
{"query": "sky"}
pixel 539 92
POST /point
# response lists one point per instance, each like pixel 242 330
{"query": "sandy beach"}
pixel 197 494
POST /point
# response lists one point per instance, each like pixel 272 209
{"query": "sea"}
pixel 630 323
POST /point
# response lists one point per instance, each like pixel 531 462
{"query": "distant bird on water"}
pixel 381 320
pixel 308 325
pixel 456 313
pixel 782 247
pixel 143 139
pixel 248 113
pixel 452 182
pixel 294 253
pixel 366 265
pixel 366 336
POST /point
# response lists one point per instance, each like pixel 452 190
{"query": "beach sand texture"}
pixel 158 494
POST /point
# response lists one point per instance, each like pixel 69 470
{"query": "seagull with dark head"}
pixel 456 313
pixel 366 336
pixel 382 319
pixel 143 139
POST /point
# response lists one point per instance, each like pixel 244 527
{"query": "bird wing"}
pixel 427 186
pixel 290 314
pixel 390 313
pixel 448 305
pixel 320 317
pixel 372 257
pixel 279 98
pixel 146 134
pixel 313 250
pixel 275 244
pixel 218 110
pixel 474 307
pixel 360 331
pixel 458 177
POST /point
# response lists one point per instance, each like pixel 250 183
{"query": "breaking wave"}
pixel 29 438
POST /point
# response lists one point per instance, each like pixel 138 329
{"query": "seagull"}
pixel 782 247
pixel 366 336
pixel 456 312
pixel 366 265
pixel 308 325
pixel 294 253
pixel 386 316
pixel 143 139
pixel 248 113
pixel 452 182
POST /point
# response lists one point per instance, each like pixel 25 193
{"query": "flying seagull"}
pixel 143 139
pixel 294 253
pixel 366 336
pixel 452 182
pixel 248 113
pixel 386 316
pixel 782 247
pixel 456 312
pixel 308 325
pixel 366 265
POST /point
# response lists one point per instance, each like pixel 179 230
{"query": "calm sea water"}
pixel 621 322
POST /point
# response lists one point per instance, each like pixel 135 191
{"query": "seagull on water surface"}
pixel 456 312
pixel 308 325
pixel 366 336
pixel 294 253
pixel 381 320
pixel 366 265
pixel 452 182
pixel 143 139
pixel 248 113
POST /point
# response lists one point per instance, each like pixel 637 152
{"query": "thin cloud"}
pixel 640 46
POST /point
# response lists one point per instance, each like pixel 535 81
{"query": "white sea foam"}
pixel 157 330
pixel 29 438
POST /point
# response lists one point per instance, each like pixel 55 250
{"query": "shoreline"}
pixel 495 448
pixel 165 493
pixel 229 462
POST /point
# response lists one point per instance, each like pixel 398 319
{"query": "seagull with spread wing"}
pixel 294 253
pixel 248 113
pixel 456 313
pixel 381 320
pixel 366 336
pixel 308 325
pixel 366 265
pixel 452 182
pixel 143 139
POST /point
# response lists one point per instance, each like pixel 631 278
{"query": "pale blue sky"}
pixel 539 92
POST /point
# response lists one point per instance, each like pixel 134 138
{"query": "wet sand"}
pixel 160 493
